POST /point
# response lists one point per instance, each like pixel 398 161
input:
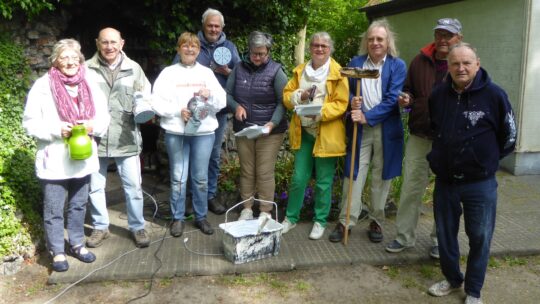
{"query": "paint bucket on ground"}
pixel 249 240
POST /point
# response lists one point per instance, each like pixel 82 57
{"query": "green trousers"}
pixel 324 176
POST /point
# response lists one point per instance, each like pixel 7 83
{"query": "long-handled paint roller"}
pixel 358 74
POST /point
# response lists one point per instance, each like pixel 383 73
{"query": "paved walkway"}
pixel 517 232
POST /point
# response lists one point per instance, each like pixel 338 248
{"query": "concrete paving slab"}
pixel 516 233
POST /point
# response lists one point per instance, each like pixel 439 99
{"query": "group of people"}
pixel 99 94
pixel 461 124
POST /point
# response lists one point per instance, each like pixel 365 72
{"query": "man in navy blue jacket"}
pixel 474 127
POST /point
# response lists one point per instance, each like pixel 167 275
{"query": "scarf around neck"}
pixel 69 110
pixel 319 74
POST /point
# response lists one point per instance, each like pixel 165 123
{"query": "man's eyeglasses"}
pixel 444 35
pixel 111 43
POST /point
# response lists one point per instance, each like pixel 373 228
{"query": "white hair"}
pixel 213 12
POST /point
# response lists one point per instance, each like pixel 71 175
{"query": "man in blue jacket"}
pixel 213 39
pixel 380 131
pixel 474 127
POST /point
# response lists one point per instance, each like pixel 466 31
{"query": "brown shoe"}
pixel 337 235
pixel 97 237
pixel 375 232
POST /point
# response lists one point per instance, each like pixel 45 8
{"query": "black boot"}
pixel 215 206
pixel 337 235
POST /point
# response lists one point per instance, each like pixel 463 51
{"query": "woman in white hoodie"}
pixel 187 96
pixel 58 101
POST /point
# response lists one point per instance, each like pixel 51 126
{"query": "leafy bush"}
pixel 19 189
pixel 344 23
pixel 229 174
pixel 29 7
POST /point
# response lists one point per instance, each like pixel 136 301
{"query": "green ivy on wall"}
pixel 19 189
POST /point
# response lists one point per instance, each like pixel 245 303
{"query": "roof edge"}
pixel 399 6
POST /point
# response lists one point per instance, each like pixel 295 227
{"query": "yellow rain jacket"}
pixel 330 140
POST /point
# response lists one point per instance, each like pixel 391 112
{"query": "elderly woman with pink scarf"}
pixel 57 101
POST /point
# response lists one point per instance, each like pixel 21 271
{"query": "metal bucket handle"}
pixel 251 198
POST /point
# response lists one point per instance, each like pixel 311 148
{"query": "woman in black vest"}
pixel 254 95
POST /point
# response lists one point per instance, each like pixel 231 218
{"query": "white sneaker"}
pixel 317 231
pixel 287 225
pixel 246 214
pixel 473 300
pixel 443 288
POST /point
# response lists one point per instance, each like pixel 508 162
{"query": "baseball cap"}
pixel 448 24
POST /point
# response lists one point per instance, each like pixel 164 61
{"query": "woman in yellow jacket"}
pixel 318 140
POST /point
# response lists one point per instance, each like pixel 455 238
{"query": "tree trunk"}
pixel 299 49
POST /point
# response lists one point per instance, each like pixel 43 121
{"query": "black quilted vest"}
pixel 254 91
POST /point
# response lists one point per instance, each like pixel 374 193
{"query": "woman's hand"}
pixel 204 93
pixel 89 124
pixel 306 94
pixel 270 126
pixel 186 114
pixel 65 131
pixel 240 113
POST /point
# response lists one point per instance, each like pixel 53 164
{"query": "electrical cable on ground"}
pixel 96 270
pixel 199 253
pixel 155 271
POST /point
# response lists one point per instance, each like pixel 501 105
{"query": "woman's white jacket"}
pixel 175 86
pixel 41 121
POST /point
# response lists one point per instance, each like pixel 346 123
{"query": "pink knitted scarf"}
pixel 68 110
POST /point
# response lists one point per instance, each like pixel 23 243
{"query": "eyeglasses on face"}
pixel 258 54
pixel 444 35
pixel 112 43
pixel 189 46
pixel 67 58
pixel 320 46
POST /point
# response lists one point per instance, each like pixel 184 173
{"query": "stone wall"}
pixel 37 36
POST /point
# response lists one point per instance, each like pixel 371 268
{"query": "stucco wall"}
pixel 531 94
pixel 508 50
pixel 494 27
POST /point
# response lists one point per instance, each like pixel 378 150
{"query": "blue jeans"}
pixel 478 203
pixel 129 169
pixel 215 158
pixel 54 199
pixel 189 155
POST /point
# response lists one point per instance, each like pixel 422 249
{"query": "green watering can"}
pixel 79 144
